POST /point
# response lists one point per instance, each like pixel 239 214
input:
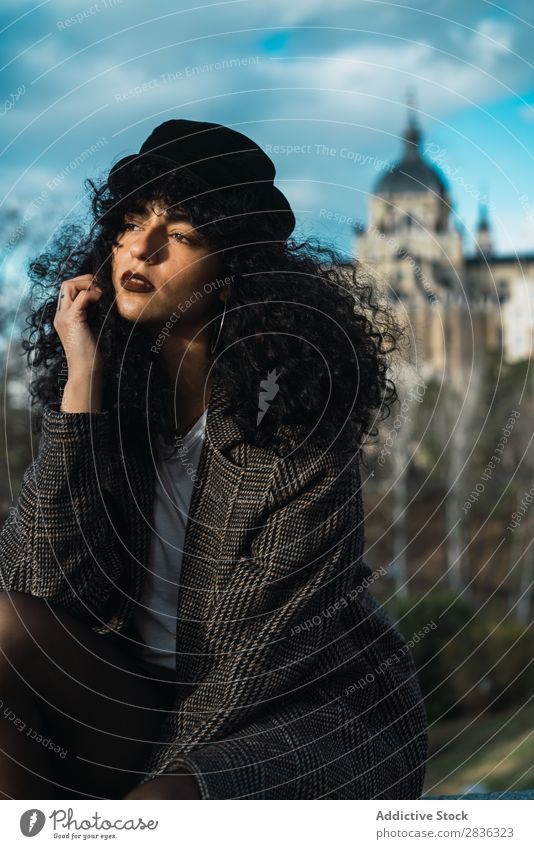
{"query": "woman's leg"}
pixel 78 717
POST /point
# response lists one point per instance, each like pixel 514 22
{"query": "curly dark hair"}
pixel 296 309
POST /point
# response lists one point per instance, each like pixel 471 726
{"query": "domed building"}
pixel 410 217
pixel 414 248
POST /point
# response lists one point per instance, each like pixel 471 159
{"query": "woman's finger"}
pixel 60 298
pixel 70 289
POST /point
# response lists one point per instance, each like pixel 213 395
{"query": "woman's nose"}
pixel 146 246
pixel 139 249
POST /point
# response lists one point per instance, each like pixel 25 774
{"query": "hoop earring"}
pixel 214 345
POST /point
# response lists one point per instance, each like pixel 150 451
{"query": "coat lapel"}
pixel 225 481
pixel 228 496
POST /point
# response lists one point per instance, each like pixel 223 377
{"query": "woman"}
pixel 185 607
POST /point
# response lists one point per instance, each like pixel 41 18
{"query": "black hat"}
pixel 217 157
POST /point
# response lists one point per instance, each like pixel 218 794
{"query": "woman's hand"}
pixel 167 786
pixel 84 359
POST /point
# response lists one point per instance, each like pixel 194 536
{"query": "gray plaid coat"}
pixel 291 681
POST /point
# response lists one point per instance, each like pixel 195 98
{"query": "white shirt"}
pixel 155 613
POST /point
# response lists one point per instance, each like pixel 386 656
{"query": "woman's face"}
pixel 177 261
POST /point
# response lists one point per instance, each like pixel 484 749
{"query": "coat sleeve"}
pixel 58 542
pixel 253 726
pixel 310 749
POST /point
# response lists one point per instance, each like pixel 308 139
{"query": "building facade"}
pixel 454 302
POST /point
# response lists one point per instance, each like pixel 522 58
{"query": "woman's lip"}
pixel 134 285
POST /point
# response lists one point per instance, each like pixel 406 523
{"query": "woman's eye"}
pixel 129 225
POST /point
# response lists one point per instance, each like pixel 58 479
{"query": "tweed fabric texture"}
pixel 291 681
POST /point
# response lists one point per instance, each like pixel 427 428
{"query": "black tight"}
pixel 96 711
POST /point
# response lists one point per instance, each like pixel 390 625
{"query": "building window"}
pixel 503 291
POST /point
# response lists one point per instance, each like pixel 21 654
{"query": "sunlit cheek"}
pixel 175 278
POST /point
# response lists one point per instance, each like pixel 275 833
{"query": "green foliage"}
pixel 471 661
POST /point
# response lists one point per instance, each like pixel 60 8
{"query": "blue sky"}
pixel 84 83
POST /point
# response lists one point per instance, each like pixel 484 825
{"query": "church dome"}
pixel 412 173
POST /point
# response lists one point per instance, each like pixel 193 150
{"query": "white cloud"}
pixel 345 61
pixel 493 37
